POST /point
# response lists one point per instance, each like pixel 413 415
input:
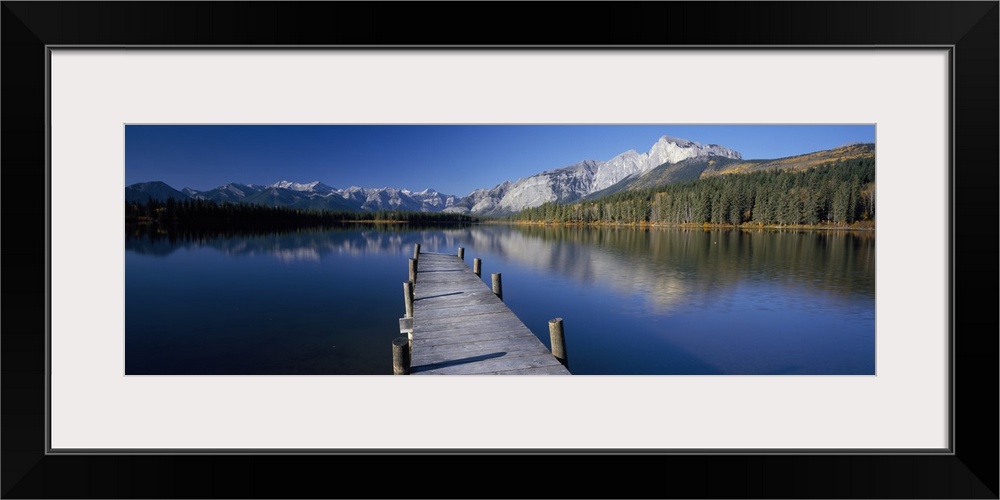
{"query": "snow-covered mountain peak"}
pixel 314 186
pixel 684 143
pixel 674 150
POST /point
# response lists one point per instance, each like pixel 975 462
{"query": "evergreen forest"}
pixel 206 215
pixel 839 193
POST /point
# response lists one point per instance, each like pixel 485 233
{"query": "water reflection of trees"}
pixel 675 265
pixel 668 266
pixel 302 244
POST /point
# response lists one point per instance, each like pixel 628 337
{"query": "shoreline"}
pixel 866 226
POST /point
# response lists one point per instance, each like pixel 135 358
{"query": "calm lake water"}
pixel 633 301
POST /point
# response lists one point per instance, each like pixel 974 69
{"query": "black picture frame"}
pixel 970 28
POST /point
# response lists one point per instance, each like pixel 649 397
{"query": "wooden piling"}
pixel 408 298
pixel 477 266
pixel 497 286
pixel 401 356
pixel 413 271
pixel 461 253
pixel 558 341
pixel 416 251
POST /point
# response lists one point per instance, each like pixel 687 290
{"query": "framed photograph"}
pixel 92 91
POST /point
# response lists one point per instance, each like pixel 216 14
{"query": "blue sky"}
pixel 453 159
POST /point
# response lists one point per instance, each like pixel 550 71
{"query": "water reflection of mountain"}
pixel 671 266
pixel 306 245
pixel 667 266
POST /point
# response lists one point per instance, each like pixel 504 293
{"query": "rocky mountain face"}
pixel 481 200
pixel 564 184
pixel 577 181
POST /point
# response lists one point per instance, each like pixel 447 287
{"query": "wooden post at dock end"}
pixel 461 253
pixel 413 271
pixel 408 298
pixel 498 286
pixel 401 356
pixel 477 266
pixel 558 341
pixel 416 251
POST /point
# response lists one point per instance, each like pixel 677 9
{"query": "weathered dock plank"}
pixel 460 327
pixel 494 364
pixel 444 311
pixel 456 334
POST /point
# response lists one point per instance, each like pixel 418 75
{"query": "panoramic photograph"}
pixel 500 249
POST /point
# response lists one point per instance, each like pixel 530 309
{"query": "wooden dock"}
pixel 459 326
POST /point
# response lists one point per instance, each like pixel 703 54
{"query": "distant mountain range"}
pixel 669 160
pixel 313 195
